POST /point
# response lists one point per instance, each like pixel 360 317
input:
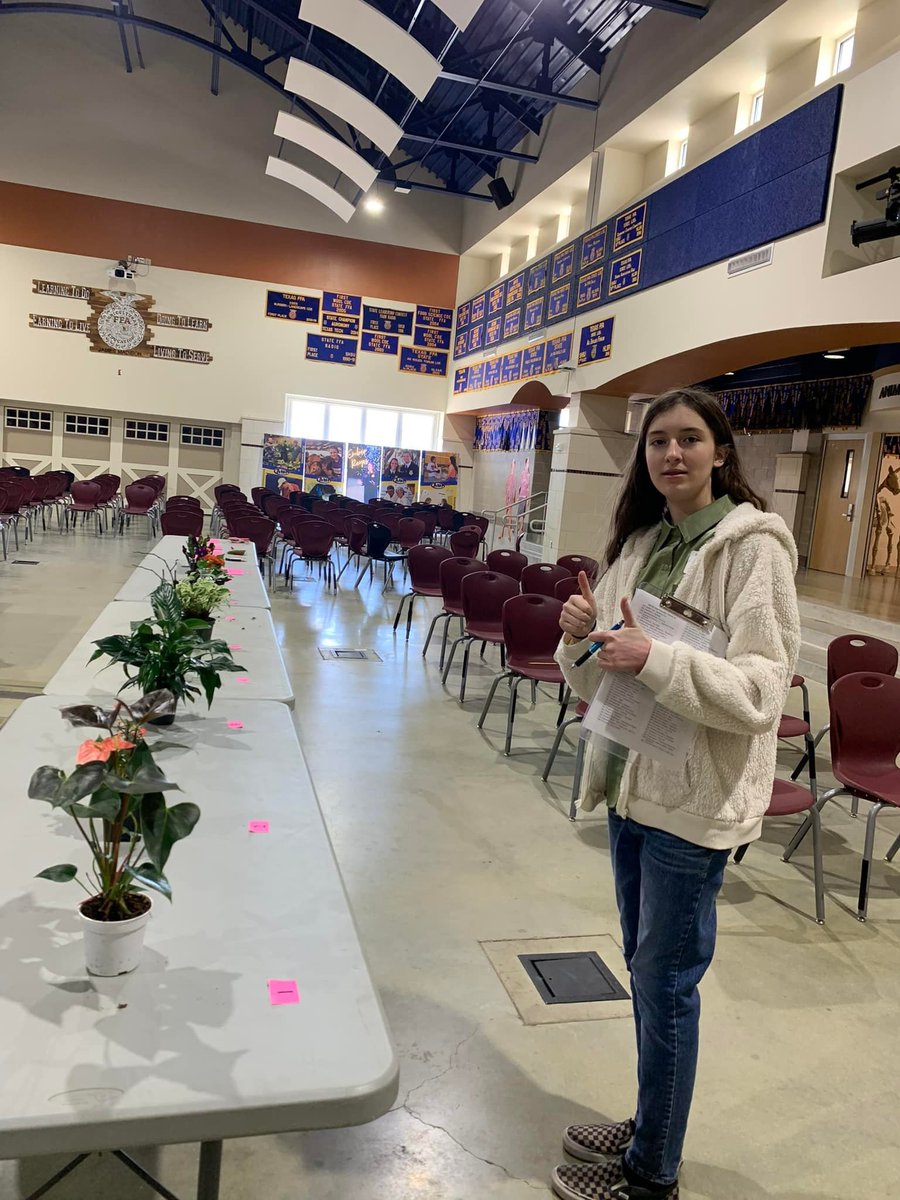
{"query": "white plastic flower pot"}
pixel 113 947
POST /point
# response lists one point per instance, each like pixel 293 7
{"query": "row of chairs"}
pixel 24 497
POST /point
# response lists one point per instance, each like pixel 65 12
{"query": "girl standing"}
pixel 687 523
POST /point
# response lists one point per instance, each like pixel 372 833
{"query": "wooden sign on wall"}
pixel 120 322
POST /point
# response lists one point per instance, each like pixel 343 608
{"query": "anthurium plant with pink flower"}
pixel 116 797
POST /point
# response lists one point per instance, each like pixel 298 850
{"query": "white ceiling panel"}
pixel 326 146
pixel 339 98
pixel 320 191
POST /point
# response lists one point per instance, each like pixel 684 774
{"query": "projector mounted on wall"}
pixel 125 268
pixel 876 231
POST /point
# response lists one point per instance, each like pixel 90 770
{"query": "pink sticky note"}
pixel 231 618
pixel 283 991
pixel 234 646
pixel 258 826
pixel 235 570
pixel 235 724
pixel 243 678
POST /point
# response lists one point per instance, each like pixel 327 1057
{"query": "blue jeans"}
pixel 666 891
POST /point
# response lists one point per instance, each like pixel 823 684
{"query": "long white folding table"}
pixel 248 589
pixel 250 629
pixel 188 1048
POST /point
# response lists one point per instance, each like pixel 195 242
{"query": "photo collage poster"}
pixel 399 475
pixel 324 463
pixel 282 462
pixel 440 478
pixel 363 472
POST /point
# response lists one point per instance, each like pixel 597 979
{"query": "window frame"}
pixel 86 418
pixel 756 107
pixel 141 430
pixel 214 441
pixel 849 39
pixel 37 420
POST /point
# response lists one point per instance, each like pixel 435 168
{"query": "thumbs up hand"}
pixel 624 649
pixel 579 614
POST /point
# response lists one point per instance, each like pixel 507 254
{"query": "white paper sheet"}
pixel 624 712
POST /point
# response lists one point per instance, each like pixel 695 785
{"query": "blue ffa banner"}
pixel 596 342
pixel 341 350
pixel 423 362
pixel 476 377
pixel 463 315
pixel 493 331
pixel 460 380
pixel 630 227
pixel 563 263
pixel 478 308
pixel 387 320
pixel 515 289
pixel 590 290
pixel 625 273
pixel 461 345
pixel 538 276
pixel 558 352
pixel 341 302
pixel 476 338
pixel 338 323
pixel 432 338
pixel 593 247
pixel 533 360
pixel 534 314
pixel 491 372
pixel 512 324
pixel 379 343
pixel 559 303
pixel 495 299
pixel 511 367
pixel 435 318
pixel 293 306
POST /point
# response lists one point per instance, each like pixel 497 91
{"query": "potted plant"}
pixel 167 651
pixel 200 596
pixel 203 561
pixel 116 797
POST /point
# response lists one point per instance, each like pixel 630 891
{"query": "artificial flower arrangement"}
pixel 116 797
pixel 202 559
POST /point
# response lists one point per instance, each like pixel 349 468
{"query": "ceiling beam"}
pixel 469 148
pixel 512 89
pixel 681 7
pixel 433 187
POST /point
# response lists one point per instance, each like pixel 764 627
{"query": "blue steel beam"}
pixel 681 7
pixel 512 89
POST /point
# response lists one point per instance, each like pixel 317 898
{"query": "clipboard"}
pixel 624 714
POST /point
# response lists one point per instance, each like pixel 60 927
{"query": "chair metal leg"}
pixel 461 638
pixel 431 630
pixel 465 671
pixel 854 807
pixel 863 905
pixel 554 749
pixel 795 774
pixel 889 857
pixel 409 614
pixel 818 870
pixel 807 824
pixel 490 697
pixel 534 691
pixel 576 782
pixel 511 712
pixel 740 852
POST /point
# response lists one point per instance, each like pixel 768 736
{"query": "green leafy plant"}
pixel 200 596
pixel 169 650
pixel 116 797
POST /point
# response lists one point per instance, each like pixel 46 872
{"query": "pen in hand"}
pixel 594 647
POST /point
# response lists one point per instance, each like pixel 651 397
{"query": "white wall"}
pixel 257 360
pixel 73 120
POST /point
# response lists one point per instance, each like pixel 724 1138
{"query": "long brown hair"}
pixel 640 504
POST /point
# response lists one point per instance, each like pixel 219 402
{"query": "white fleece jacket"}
pixel 743 578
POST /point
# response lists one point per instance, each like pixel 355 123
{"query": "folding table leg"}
pixel 210 1171
pixel 60 1175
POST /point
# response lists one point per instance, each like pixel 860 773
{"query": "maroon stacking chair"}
pixel 566 588
pixel 580 709
pixel 445 525
pixel 40 487
pixel 580 562
pixel 257 494
pixel 865 745
pixel 3 521
pixel 291 527
pixel 793 727
pixel 428 516
pixel 182 520
pixel 85 500
pixel 156 481
pixel 313 543
pixel 140 501
pixel 452 571
pixel 11 505
pixel 321 508
pixel 189 500
pixel 227 489
pixel 410 531
pixel 846 655
pixel 389 517
pixel 540 579
pixel 507 562
pixel 531 633
pixel 357 532
pixel 424 564
pixel 260 531
pixel 109 492
pixel 483 595
pixel 465 542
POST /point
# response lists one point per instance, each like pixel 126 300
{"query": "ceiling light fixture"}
pixel 402 189
pixel 373 204
pixel 834 354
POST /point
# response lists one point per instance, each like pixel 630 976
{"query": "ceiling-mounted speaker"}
pixel 500 193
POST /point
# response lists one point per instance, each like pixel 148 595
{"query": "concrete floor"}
pixel 444 844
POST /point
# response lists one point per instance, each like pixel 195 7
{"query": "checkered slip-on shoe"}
pixel 601 1181
pixel 594 1143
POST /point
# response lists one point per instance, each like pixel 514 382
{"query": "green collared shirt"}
pixel 662 573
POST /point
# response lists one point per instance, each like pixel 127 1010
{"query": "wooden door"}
pixel 837 507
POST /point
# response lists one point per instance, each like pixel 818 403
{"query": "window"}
pixel 417 430
pixel 86 424
pixel 848 475
pixel 756 108
pixel 345 422
pixel 381 426
pixel 307 419
pixel 682 153
pixel 28 418
pixel 146 431
pixel 843 53
pixel 202 435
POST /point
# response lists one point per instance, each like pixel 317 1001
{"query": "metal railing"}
pixel 522 517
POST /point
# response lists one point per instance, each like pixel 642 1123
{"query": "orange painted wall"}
pixel 69 223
